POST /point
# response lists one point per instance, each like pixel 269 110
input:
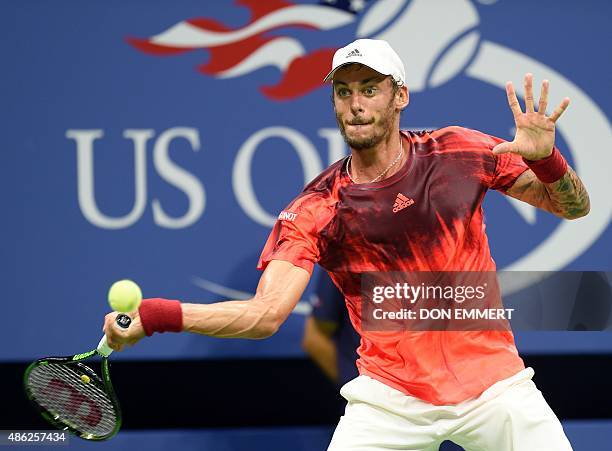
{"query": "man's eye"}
pixel 343 92
pixel 369 91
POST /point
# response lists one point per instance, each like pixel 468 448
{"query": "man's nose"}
pixel 356 106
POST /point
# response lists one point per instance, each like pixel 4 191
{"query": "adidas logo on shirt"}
pixel 354 53
pixel 401 202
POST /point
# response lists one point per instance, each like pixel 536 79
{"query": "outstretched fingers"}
pixel 512 100
pixel 560 109
pixel 543 104
pixel 529 93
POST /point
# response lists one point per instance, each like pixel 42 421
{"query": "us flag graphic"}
pixel 264 40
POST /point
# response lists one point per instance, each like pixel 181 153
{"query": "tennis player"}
pixel 404 201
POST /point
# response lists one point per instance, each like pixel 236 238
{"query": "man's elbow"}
pixel 266 330
pixel 577 212
pixel 268 326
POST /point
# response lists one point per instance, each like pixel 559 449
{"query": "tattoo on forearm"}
pixel 567 197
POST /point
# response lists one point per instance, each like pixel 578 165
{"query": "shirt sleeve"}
pixel 294 237
pixel 501 171
pixel 508 168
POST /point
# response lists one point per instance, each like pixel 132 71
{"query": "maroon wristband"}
pixel 549 169
pixel 160 315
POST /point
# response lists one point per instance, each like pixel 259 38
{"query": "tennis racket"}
pixel 72 397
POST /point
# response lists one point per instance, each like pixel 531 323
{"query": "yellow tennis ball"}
pixel 85 379
pixel 124 296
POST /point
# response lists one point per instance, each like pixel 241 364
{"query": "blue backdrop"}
pixel 157 141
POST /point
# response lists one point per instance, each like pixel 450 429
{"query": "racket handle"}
pixel 103 348
pixel 122 321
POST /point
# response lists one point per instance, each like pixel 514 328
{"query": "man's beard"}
pixel 380 130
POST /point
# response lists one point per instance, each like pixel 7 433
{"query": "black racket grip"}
pixel 123 320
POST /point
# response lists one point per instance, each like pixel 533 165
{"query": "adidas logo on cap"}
pixel 374 53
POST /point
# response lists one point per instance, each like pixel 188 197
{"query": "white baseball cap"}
pixel 374 53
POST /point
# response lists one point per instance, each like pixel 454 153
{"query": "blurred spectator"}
pixel 329 337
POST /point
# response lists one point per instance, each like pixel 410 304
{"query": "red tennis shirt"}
pixel 426 217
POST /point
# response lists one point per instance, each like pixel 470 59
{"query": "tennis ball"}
pixel 124 296
pixel 85 379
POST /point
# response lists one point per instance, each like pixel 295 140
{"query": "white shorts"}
pixel 511 415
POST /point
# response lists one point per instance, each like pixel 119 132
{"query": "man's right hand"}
pixel 116 337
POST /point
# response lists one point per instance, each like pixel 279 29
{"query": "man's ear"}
pixel 402 97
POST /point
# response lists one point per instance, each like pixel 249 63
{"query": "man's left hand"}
pixel 535 132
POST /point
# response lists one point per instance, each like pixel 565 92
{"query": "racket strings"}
pixel 85 407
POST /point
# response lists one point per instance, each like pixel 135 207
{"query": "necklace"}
pixel 375 179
